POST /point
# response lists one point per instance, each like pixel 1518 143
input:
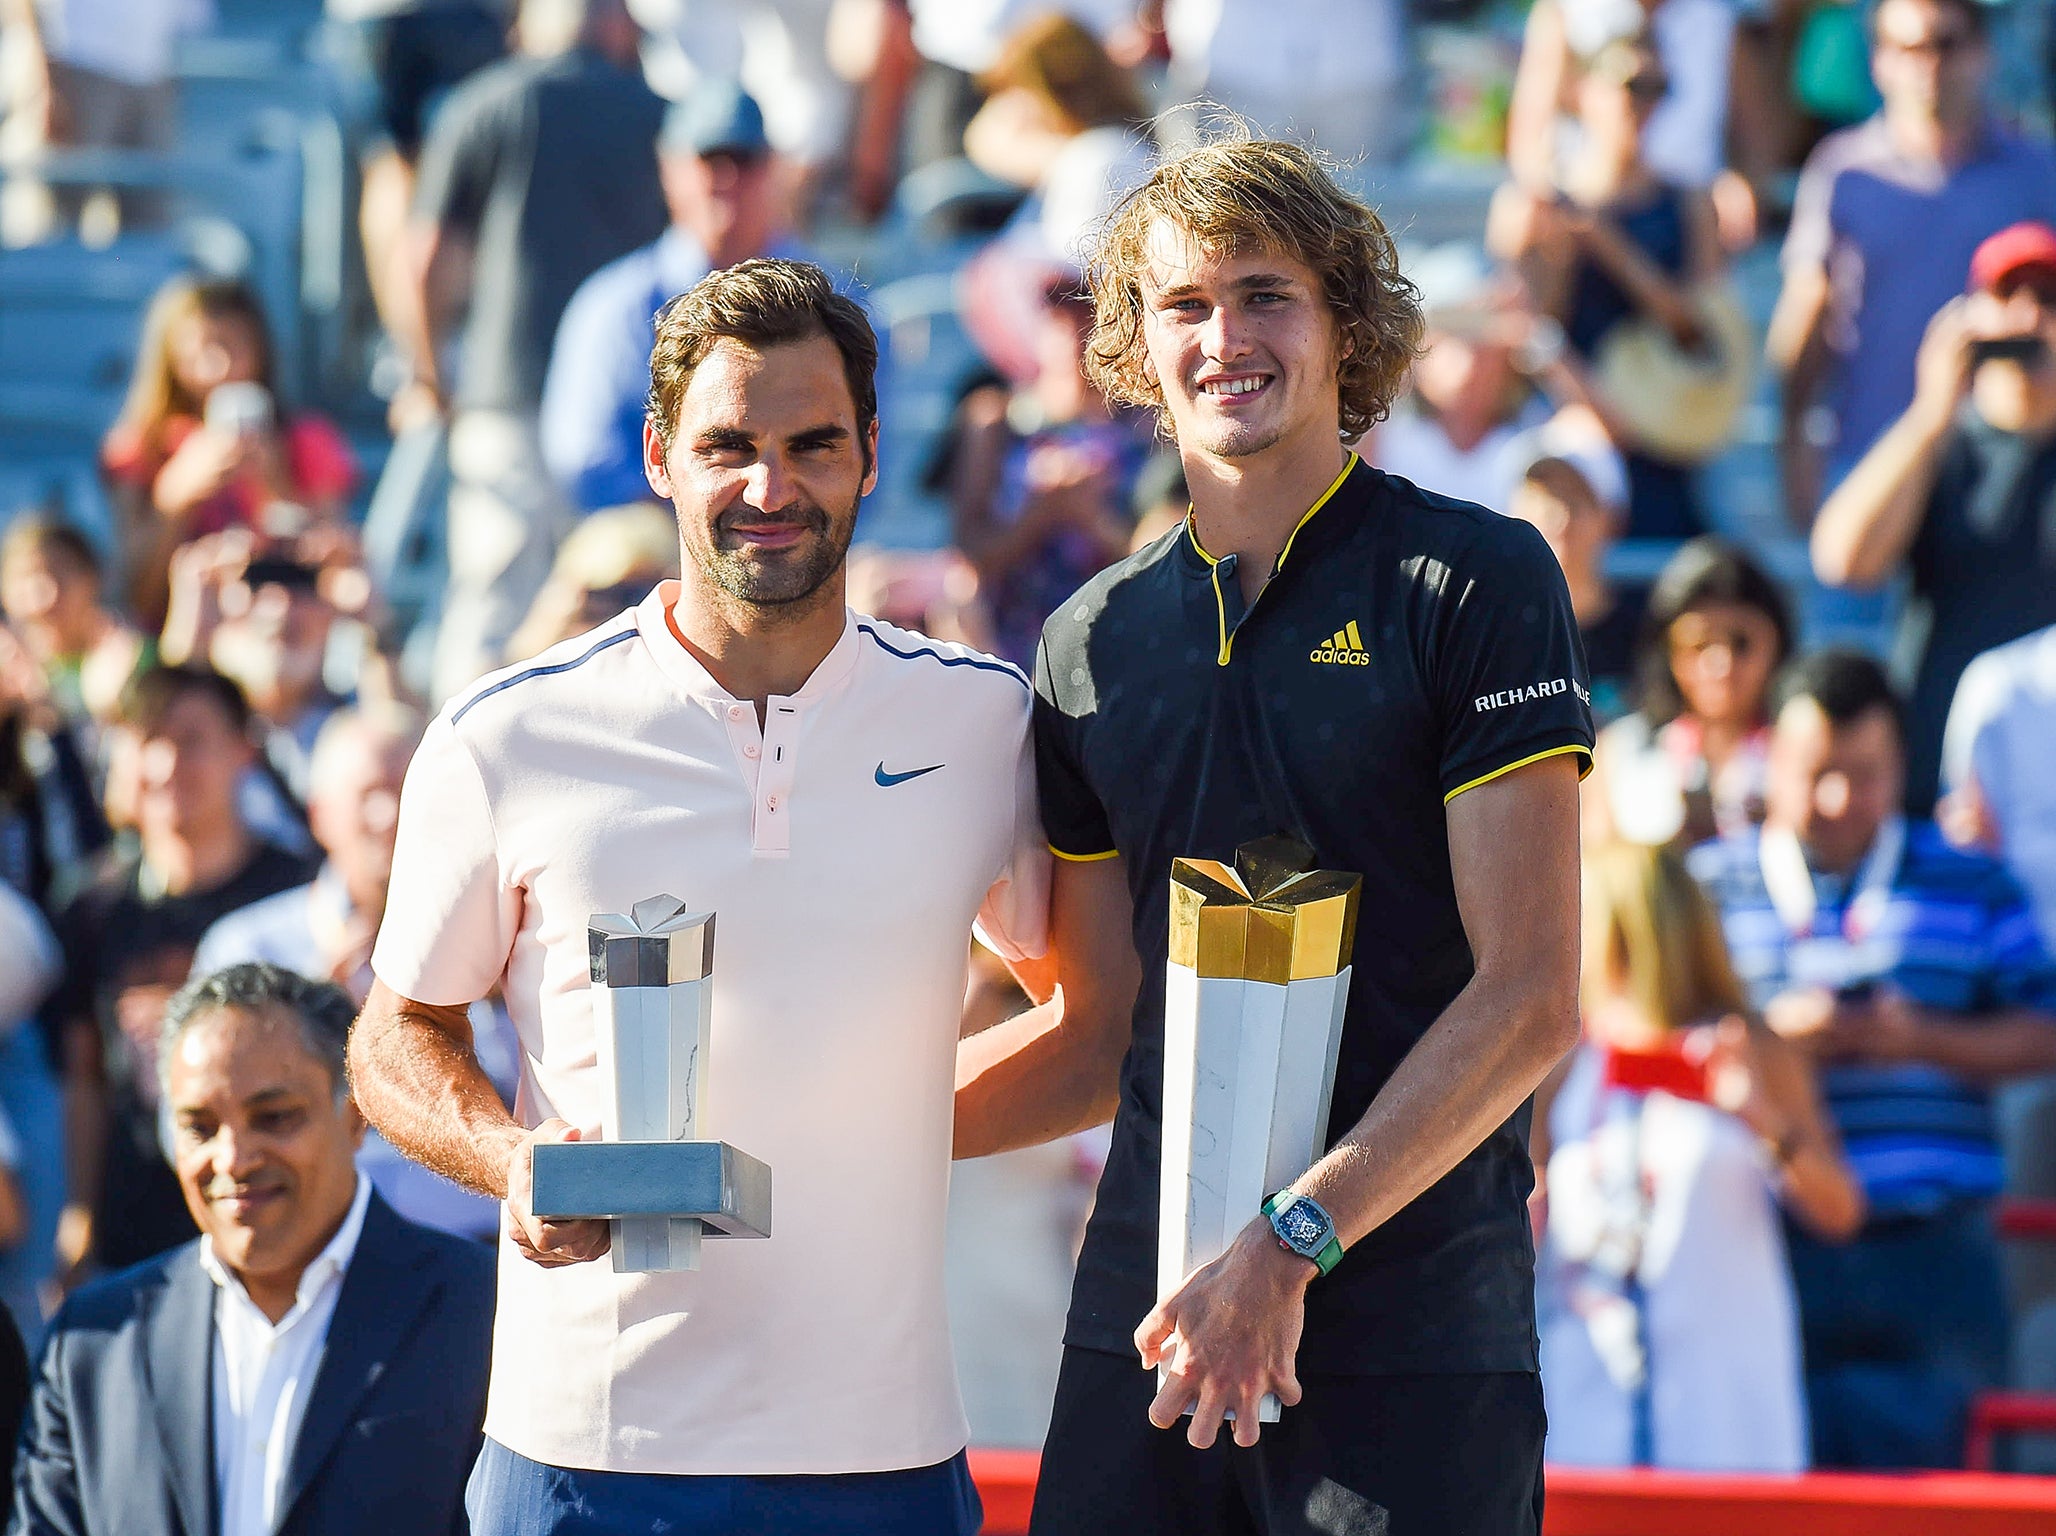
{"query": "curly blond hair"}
pixel 1243 194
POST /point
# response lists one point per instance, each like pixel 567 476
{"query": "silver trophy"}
pixel 1253 1001
pixel 659 1188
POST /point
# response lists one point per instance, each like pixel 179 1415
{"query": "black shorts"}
pixel 1357 1456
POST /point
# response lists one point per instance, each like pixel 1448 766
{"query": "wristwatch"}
pixel 1304 1228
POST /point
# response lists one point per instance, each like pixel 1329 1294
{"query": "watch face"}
pixel 1300 1227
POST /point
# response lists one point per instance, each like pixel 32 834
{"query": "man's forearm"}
pixel 413 322
pixel 2015 1044
pixel 1490 1049
pixel 1869 524
pixel 416 1077
pixel 1032 1079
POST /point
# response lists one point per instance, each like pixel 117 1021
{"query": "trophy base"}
pixel 725 1191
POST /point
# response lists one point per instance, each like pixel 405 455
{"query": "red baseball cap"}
pixel 2026 244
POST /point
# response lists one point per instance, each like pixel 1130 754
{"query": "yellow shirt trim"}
pixel 1084 858
pixel 1227 641
pixel 1536 757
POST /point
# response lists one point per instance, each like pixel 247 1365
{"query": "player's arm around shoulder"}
pixel 1056 1068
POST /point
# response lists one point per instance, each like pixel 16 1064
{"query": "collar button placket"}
pixel 771 821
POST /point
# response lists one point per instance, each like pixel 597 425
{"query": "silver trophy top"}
pixel 655 943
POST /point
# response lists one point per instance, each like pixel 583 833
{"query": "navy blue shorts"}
pixel 513 1496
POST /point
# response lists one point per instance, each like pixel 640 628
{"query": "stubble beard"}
pixel 786 578
pixel 1244 441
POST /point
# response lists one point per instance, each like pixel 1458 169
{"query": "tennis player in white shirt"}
pixel 847 797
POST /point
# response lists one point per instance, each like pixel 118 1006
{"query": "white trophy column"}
pixel 1310 1036
pixel 653 1040
pixel 1222 1053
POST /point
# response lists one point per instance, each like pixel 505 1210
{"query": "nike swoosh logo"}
pixel 887 780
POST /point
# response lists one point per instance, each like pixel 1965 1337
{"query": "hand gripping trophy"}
pixel 661 1190
pixel 1253 1004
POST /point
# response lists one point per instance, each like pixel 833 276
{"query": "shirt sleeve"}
pixel 458 164
pixel 1982 695
pixel 1510 678
pixel 1014 921
pixel 1811 234
pixel 1072 817
pixel 451 918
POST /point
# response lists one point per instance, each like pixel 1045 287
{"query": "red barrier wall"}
pixel 1586 1503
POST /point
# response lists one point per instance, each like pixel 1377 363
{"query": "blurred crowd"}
pixel 1748 305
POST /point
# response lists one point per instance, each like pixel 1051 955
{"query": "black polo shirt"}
pixel 1407 647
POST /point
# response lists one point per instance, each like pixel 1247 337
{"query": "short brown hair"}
pixel 762 302
pixel 153 693
pixel 1259 194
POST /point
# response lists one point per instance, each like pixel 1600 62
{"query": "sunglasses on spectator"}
pixel 1942 45
pixel 1647 86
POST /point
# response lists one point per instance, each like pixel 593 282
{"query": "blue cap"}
pixel 716 117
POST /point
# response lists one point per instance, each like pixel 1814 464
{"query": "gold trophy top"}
pixel 1273 917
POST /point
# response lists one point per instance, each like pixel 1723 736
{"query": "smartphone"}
pixel 1663 1069
pixel 2030 348
pixel 239 407
pixel 278 571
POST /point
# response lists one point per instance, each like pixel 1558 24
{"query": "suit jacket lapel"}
pixel 381 1299
pixel 179 1356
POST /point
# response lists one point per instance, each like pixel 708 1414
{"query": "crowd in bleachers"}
pixel 324 340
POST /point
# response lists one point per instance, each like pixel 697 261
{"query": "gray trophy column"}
pixel 659 1187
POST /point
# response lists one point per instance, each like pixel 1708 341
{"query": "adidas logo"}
pixel 1345 648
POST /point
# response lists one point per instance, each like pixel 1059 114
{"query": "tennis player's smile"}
pixel 769 535
pixel 1233 388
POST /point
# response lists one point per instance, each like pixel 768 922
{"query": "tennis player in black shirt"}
pixel 1394 678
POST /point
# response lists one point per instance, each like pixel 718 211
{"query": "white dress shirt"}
pixel 263 1372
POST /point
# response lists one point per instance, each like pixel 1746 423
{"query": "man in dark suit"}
pixel 313 1363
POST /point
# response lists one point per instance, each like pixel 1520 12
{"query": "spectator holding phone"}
pixel 1962 486
pixel 261 612
pixel 202 443
pixel 1669 1140
pixel 1911 973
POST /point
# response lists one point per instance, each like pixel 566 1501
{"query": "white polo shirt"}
pixel 845 848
